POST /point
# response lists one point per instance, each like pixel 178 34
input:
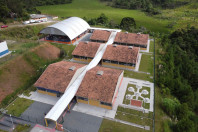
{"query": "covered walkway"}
pixel 70 92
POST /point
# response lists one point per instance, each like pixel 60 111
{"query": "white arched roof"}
pixel 71 27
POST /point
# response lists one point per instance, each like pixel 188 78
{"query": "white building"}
pixel 3 49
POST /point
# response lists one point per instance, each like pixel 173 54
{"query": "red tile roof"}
pixel 99 87
pixel 57 76
pixel 86 49
pixel 137 103
pixel 101 35
pixel 131 38
pixel 121 53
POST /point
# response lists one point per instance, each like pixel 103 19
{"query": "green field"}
pixel 93 8
pixel 146 63
pixel 19 106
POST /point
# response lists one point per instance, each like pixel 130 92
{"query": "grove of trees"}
pixel 177 78
pixel 149 6
pixel 22 8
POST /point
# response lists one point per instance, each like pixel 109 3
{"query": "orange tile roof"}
pixel 101 35
pixel 99 87
pixel 86 49
pixel 131 38
pixel 121 53
pixel 57 76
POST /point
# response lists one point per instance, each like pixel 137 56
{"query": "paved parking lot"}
pixel 80 122
pixel 36 112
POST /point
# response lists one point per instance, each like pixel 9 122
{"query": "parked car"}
pixel 4 26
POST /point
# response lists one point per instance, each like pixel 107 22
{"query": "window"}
pixel 106 61
pixel 114 62
pixel 42 89
pixel 104 103
pixel 82 98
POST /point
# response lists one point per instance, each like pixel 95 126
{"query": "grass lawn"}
pixel 146 64
pixel 22 128
pixel 93 8
pixel 136 75
pixel 135 112
pixel 134 119
pixel 112 126
pixel 19 106
pixel 151 47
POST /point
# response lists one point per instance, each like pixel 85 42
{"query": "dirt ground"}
pixel 47 51
pixel 17 71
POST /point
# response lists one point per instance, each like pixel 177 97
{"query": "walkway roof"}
pixel 71 27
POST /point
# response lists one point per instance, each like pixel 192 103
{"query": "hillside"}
pixel 19 73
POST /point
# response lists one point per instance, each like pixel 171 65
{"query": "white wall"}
pixel 118 84
pixel 3 46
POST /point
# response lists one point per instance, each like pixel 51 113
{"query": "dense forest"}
pixel 149 6
pixel 177 77
pixel 22 8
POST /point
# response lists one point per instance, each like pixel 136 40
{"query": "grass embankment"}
pixel 93 8
pixel 180 17
pixel 17 49
pixel 161 119
pixel 67 48
pixel 18 106
pixel 22 34
pixel 20 73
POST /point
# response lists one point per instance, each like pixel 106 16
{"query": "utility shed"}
pixel 57 77
pixel 100 87
pixel 3 48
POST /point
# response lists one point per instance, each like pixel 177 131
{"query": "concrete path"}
pixel 138 63
pixel 44 98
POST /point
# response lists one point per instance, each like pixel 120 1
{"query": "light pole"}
pixel 12 121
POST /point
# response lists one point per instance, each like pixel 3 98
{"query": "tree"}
pixel 102 19
pixel 182 111
pixel 185 125
pixel 128 23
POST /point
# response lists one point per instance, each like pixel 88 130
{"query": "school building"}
pixel 99 86
pixel 132 39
